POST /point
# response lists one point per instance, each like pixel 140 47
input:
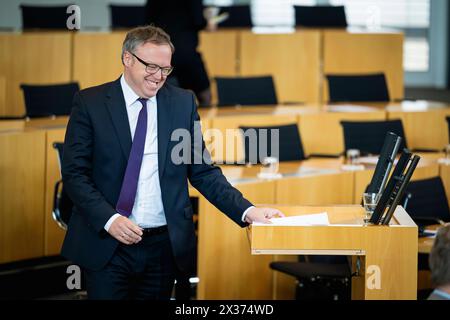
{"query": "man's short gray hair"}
pixel 140 35
pixel 440 257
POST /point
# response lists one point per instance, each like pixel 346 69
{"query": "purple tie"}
pixel 130 181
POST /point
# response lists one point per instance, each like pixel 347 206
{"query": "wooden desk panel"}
pixel 322 133
pixel 219 52
pixel 226 268
pixel 354 53
pixel 220 126
pixel 53 235
pixel 292 59
pixel 32 58
pixel 22 182
pixel 97 57
pixel 426 129
pixel 317 189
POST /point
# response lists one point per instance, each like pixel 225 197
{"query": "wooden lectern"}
pixel 384 258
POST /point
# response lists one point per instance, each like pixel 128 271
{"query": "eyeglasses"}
pixel 154 68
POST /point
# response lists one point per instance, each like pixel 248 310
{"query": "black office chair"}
pixel 289 143
pixel 62 205
pixel 320 16
pixel 448 123
pixel 427 202
pixel 319 277
pixel 368 136
pixel 126 17
pixel 239 16
pixel 363 87
pixel 49 100
pixel 246 91
pixel 44 17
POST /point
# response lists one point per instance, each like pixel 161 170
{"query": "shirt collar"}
pixel 128 93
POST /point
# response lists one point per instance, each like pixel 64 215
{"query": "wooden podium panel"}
pixel 387 255
pixel 355 53
pixel 32 58
pixel 97 57
pixel 292 59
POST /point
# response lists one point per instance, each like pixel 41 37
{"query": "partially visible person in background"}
pixel 182 20
pixel 440 264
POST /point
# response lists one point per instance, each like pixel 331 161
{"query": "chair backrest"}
pixel 448 123
pixel 246 91
pixel 428 199
pixel 239 16
pixel 62 204
pixel 44 17
pixel 363 87
pixel 49 100
pixel 320 16
pixel 368 136
pixel 127 16
pixel 289 144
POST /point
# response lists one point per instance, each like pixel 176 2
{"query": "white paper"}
pixel 317 219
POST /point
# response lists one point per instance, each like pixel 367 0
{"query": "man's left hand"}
pixel 262 215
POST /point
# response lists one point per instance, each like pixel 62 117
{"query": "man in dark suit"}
pixel 132 226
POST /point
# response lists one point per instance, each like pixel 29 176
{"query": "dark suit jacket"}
pixel 96 149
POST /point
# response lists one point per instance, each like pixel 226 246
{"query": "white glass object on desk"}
pixel 447 154
pixel 269 168
pixel 353 156
pixel 446 159
pixel 370 200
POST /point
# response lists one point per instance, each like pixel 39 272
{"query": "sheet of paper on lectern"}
pixel 316 219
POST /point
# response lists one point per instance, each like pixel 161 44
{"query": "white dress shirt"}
pixel 148 210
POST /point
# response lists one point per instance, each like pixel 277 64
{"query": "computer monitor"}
pixel 395 188
pixel 385 162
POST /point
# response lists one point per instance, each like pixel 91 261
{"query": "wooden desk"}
pixel 292 59
pixel 97 57
pixel 32 58
pixel 226 141
pixel 424 123
pixel 327 122
pixel 348 52
pixel 22 183
pixel 389 250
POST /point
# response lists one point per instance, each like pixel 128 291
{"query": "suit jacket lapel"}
pixel 116 106
pixel 165 117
